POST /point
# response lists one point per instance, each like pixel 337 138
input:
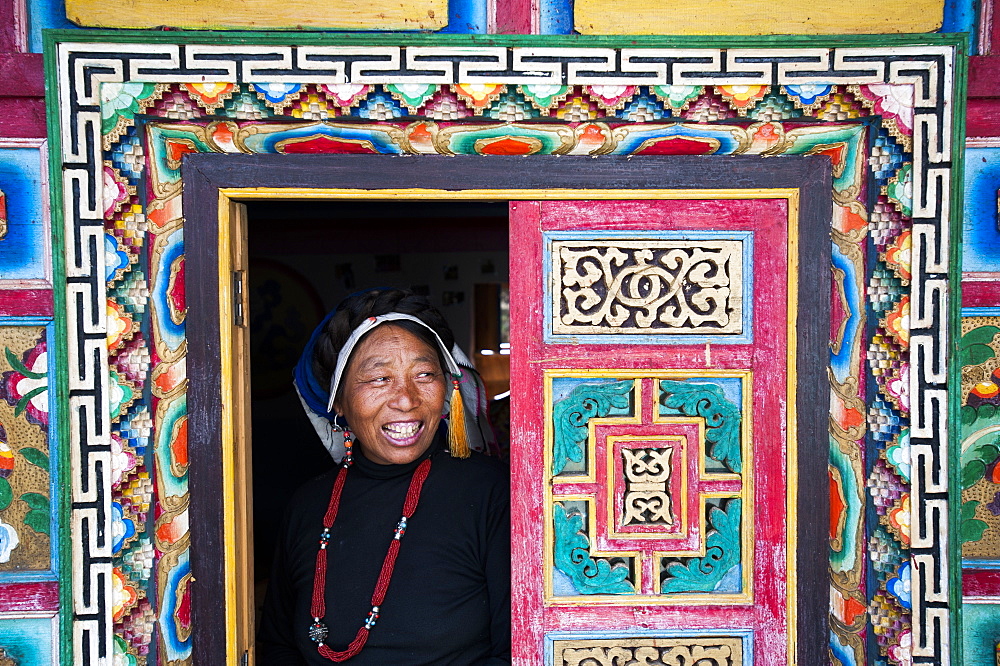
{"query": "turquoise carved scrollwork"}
pixel 722 418
pixel 571 414
pixel 722 553
pixel 572 557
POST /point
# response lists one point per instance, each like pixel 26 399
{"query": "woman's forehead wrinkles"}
pixel 372 362
pixel 426 359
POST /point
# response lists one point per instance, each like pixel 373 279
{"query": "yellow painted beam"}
pixel 260 14
pixel 757 17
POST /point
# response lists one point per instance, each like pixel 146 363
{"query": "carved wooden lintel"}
pixel 653 651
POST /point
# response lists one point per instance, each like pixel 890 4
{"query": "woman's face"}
pixel 393 395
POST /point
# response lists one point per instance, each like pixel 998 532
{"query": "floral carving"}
pixel 26 386
pixel 722 418
pixel 124 593
pixel 722 553
pixel 807 95
pixel 572 557
pixel 899 586
pixel 277 95
pixel 678 97
pixel 122 528
pixel 648 287
pixel 900 190
pixel 898 519
pixel 571 414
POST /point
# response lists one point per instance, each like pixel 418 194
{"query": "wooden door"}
pixel 668 408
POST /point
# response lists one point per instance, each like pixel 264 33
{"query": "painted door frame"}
pixel 79 64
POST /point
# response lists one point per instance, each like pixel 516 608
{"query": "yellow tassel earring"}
pixel 458 439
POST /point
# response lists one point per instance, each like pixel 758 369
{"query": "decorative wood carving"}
pixel 688 651
pixel 647 492
pixel 614 287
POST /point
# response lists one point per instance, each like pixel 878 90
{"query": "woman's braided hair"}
pixel 357 307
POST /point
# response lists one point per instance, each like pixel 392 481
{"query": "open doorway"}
pixel 304 258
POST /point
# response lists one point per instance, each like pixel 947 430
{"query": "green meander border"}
pixel 52 38
pixel 59 348
pixel 954 326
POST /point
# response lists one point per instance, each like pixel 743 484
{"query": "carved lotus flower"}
pixel 26 386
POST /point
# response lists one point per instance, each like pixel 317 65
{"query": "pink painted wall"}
pixel 22 84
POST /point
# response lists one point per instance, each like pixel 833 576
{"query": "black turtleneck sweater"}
pixel 449 598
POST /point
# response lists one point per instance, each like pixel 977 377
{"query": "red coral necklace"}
pixel 318 630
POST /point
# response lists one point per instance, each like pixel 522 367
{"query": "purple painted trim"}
pixel 26 302
pixel 29 597
pixel 980 290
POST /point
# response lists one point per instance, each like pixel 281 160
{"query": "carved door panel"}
pixel 655 437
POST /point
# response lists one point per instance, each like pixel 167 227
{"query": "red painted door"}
pixel 653 381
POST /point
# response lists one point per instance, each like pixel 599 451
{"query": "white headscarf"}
pixel 478 430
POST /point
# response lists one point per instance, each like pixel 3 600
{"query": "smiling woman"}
pixel 374 380
pixel 395 393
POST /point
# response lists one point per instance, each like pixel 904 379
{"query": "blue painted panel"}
pixel 42 15
pixel 732 390
pixel 981 312
pixel 556 17
pixel 980 632
pixel 840 360
pixel 469 17
pixel 961 16
pixel 981 239
pixel 563 386
pixel 22 252
pixel 29 640
pixel 466 17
